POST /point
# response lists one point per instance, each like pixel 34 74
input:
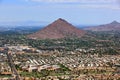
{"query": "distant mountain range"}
pixel 23 23
pixel 21 26
pixel 113 26
pixel 58 29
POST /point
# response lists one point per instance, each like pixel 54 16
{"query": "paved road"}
pixel 11 64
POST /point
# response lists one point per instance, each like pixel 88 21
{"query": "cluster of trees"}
pixel 109 40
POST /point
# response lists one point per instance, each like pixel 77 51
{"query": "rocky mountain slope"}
pixel 56 30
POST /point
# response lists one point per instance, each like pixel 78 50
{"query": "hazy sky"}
pixel 75 11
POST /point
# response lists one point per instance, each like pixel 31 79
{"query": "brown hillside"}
pixel 114 26
pixel 58 29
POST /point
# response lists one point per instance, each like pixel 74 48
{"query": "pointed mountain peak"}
pixel 115 22
pixel 56 30
pixel 61 20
